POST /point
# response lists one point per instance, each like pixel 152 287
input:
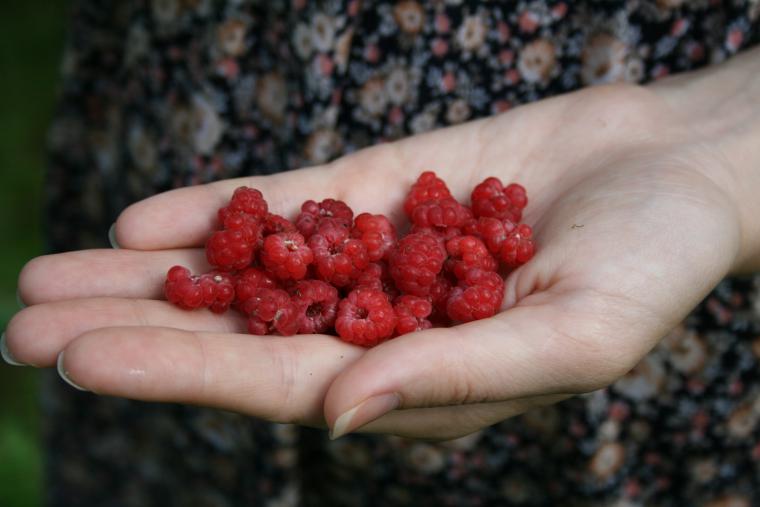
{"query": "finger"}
pixel 103 273
pixel 447 423
pixel 185 217
pixel 274 378
pixel 38 333
pixel 523 352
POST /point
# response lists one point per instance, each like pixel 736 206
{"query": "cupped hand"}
pixel 634 221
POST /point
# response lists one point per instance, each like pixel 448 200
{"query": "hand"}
pixel 635 222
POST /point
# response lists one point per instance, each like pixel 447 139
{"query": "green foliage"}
pixel 31 36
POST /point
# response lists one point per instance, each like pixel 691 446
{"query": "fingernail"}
pixel 65 375
pixel 19 301
pixel 7 357
pixel 112 236
pixel 363 413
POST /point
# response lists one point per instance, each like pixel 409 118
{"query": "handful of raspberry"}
pixel 331 272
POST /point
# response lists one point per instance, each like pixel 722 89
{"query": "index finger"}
pixel 185 217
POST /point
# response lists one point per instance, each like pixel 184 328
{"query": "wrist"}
pixel 720 108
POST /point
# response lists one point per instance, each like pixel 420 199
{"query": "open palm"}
pixel 633 228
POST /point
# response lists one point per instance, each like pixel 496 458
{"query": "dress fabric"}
pixel 167 93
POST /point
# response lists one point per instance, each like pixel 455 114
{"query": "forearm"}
pixel 721 104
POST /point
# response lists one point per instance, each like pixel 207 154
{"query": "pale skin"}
pixel 642 199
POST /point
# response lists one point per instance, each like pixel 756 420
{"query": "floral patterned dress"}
pixel 158 94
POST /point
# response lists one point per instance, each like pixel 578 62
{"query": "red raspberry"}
pixel 477 297
pixel 274 224
pixel 338 259
pixel 445 212
pixel 467 252
pixel 317 305
pixel 231 249
pixel 377 233
pixel 314 214
pixel 491 199
pixel 411 314
pixel 286 255
pixel 245 200
pixel 428 187
pixel 518 248
pixel 376 276
pixel 249 281
pixel 271 310
pixel 415 262
pixel 213 290
pixel 365 317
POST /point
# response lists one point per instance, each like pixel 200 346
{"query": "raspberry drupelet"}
pixel 317 305
pixel 213 290
pixel 415 262
pixel 365 317
pixel 286 255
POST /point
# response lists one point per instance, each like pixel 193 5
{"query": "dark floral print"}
pixel 158 94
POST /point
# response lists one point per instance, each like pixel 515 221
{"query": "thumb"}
pixel 522 352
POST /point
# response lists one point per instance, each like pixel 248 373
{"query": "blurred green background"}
pixel 31 38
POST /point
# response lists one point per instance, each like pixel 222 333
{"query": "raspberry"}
pixel 411 314
pixel 338 259
pixel 274 224
pixel 415 262
pixel 428 187
pixel 317 305
pixel 365 317
pixel 518 248
pixel 231 249
pixel 377 233
pixel 286 255
pixel 376 276
pixel 271 310
pixel 447 212
pixel 213 290
pixel 490 199
pixel 467 252
pixel 250 280
pixel 245 200
pixel 314 214
pixel 477 297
